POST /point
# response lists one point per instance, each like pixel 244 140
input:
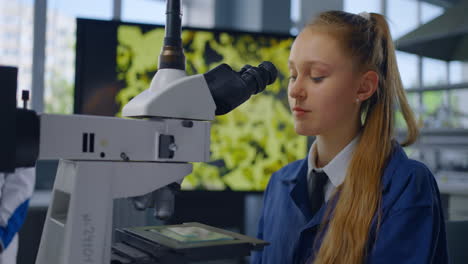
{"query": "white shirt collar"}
pixel 336 169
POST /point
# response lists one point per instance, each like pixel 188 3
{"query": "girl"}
pixel 356 198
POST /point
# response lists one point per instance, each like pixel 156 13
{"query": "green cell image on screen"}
pixel 251 142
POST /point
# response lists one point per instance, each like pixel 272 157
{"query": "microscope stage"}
pixel 189 241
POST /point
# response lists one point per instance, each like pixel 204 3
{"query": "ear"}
pixel 368 85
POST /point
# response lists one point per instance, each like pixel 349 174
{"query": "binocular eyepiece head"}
pixel 230 88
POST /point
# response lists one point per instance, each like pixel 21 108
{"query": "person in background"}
pixel 356 197
pixel 15 191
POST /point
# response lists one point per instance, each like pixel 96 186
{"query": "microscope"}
pixel 144 157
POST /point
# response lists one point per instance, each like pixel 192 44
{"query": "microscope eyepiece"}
pixel 270 69
pixel 230 88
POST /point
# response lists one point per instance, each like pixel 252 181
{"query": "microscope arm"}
pixel 80 137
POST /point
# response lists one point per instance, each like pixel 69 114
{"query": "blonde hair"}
pixel 369 43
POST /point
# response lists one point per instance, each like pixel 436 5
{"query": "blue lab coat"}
pixel 412 228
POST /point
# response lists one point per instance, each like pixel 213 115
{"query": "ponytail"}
pixel 394 81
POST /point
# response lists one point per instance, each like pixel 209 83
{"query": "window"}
pixel 429 12
pixel 402 16
pixel 14 35
pixel 443 108
pixel 358 6
pixel 84 8
pixel 144 11
pixel 60 49
pixel 434 72
pixel 458 72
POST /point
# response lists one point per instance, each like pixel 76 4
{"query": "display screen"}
pixel 117 61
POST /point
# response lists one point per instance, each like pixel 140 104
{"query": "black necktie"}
pixel 317 194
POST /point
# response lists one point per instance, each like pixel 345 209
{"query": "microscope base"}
pixel 78 226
